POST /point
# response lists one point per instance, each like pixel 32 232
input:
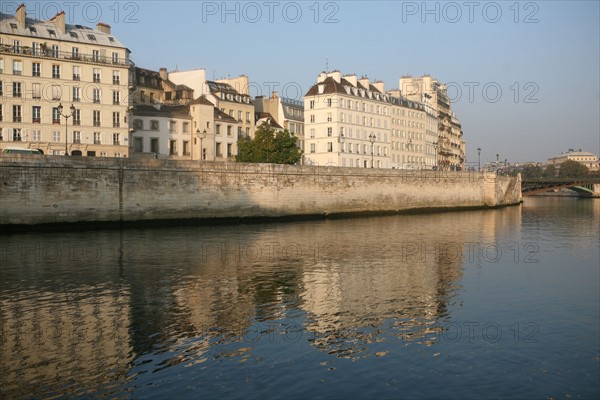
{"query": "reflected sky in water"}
pixel 478 304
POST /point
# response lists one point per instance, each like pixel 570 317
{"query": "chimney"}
pixel 102 27
pixel 380 86
pixel 163 74
pixel 365 82
pixel 274 95
pixel 351 79
pixel 59 21
pixel 322 77
pixel 21 15
pixel 336 75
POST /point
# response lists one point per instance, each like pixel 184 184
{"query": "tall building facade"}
pixel 45 64
pixel 450 146
pixel 353 122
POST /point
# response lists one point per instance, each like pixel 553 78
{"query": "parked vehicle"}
pixel 21 150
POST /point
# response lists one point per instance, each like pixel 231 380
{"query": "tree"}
pixel 550 171
pixel 572 169
pixel 532 171
pixel 269 146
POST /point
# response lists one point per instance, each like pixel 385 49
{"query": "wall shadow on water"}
pixel 90 312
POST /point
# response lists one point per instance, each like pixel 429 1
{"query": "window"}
pixel 138 124
pixel 115 58
pixel 96 117
pixel 116 78
pixel 172 147
pixel 312 147
pixel 185 127
pixel 16 134
pixel 116 138
pixel 328 102
pixel 116 97
pixel 73 34
pixel 142 96
pixel 312 118
pixel 91 37
pixel 36 135
pixel 76 117
pixel 247 117
pixel 138 144
pixel 1 91
pixel 152 98
pixel 17 89
pixel 312 104
pixel 56 136
pixel 52 32
pixel 329 117
pixel 217 129
pixel 37 90
pixel 219 150
pixel 56 71
pixel 312 133
pixel 54 51
pixel 329 147
pixel 95 55
pixel 229 150
pixel 76 73
pixel 172 126
pixel 76 137
pixel 329 131
pixel 55 116
pixel 76 93
pixel 186 148
pixel 17 67
pixel 154 145
pixel 229 130
pixel 96 95
pixel 35 47
pixel 56 92
pixel 1 65
pixel 36 69
pixel 116 119
pixel 96 75
pixel 17 46
pixel 36 114
pixel 97 138
pixel 16 113
pixel 75 53
pixel 154 125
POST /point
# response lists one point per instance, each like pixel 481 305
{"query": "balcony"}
pixel 36 121
pixel 76 77
pixel 116 125
pixel 76 122
pixel 56 121
pixel 96 123
pixel 17 119
pixel 64 55
pixel 96 101
pixel 116 81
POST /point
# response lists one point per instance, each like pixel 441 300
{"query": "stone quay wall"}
pixel 50 189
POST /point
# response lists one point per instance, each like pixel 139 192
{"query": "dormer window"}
pixel 13 26
pixel 52 32
pixel 32 30
pixel 111 39
pixel 91 37
pixel 73 34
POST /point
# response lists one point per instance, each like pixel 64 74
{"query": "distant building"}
pixel 590 160
pixel 450 146
pixel 47 63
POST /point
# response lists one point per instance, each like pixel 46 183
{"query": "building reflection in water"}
pixel 116 304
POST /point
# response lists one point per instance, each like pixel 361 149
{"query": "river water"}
pixel 500 303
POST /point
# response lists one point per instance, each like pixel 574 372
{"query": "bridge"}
pixel 584 187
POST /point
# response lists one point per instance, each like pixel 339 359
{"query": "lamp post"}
pixel 60 110
pixel 479 159
pixel 497 157
pixel 372 138
pixel 201 136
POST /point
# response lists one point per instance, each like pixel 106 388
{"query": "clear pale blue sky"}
pixel 549 50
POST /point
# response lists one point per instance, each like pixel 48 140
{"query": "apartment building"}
pixel 347 122
pixel 450 146
pixel 64 88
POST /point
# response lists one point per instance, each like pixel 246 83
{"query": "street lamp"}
pixel 497 157
pixel 479 159
pixel 60 110
pixel 201 136
pixel 372 138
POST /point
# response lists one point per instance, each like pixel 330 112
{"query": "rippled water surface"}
pixel 481 304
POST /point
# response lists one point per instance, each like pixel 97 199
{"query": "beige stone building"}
pixel 450 146
pixel 590 160
pixel 237 105
pixel 347 122
pixel 44 64
pixel 352 122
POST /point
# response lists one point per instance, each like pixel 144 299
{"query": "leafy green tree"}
pixel 572 169
pixel 532 171
pixel 269 146
pixel 550 171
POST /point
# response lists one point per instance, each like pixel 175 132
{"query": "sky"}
pixel 523 77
